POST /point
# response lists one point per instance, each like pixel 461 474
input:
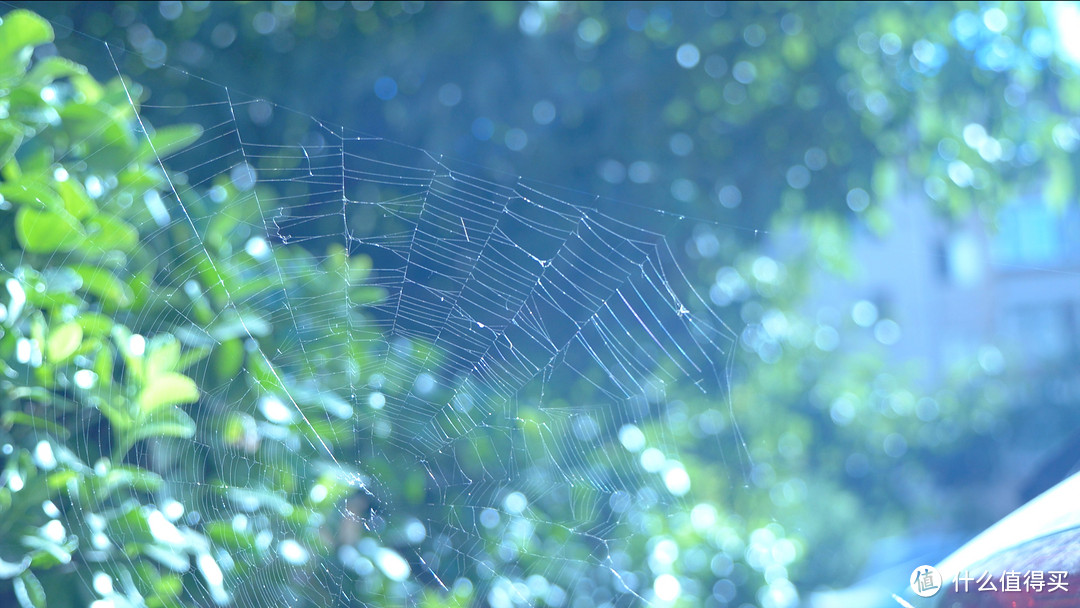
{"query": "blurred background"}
pixel 879 199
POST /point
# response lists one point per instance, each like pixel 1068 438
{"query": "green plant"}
pixel 98 396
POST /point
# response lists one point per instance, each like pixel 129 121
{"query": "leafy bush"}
pixel 97 402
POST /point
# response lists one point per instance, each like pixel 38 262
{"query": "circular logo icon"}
pixel 925 581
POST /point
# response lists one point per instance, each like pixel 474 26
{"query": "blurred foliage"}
pixel 793 104
pixel 99 406
pixel 792 117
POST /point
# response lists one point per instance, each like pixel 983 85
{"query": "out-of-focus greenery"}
pixel 804 116
pixel 793 104
pixel 105 326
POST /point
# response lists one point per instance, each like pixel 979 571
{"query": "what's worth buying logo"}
pixel 925 581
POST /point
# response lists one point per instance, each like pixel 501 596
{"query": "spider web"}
pixel 471 367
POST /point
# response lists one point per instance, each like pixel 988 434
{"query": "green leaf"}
pixel 264 498
pixel 46 552
pixel 165 423
pixel 103 366
pixel 104 284
pixel 170 558
pixel 137 478
pixel 167 140
pixel 117 416
pixel 130 526
pixel 103 130
pixel 39 165
pixel 49 69
pixel 106 232
pixel 21 29
pixel 63 342
pixel 62 479
pixel 265 375
pixel 46 232
pixel 133 362
pixel 11 569
pixel 95 324
pixel 28 589
pixel 138 179
pixel 240 326
pixel 20 32
pixel 337 489
pixel 87 87
pixel 11 418
pixel 10 172
pixel 167 587
pixel 167 389
pixel 192 356
pixel 76 201
pixel 33 393
pixel 162 356
pixel 228 358
pixel 233 539
pixel 11 137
